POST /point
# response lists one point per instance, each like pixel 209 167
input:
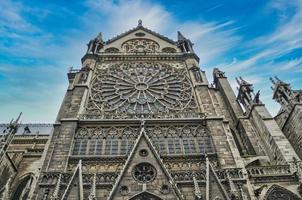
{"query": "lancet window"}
pixel 104 141
pixel 181 140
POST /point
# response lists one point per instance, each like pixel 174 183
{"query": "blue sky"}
pixel 40 40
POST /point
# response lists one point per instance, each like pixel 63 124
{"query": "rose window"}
pixel 140 88
pixel 144 172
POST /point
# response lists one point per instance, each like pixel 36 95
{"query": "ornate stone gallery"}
pixel 141 121
pixel 140 89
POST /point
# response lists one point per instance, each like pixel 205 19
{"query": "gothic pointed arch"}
pixel 150 171
pixel 23 188
pixel 145 196
pixel 277 192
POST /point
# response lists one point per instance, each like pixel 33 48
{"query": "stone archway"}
pixel 23 188
pixel 145 196
pixel 277 192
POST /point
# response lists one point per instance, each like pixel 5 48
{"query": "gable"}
pixel 214 188
pixel 140 37
pixel 144 174
pixel 74 189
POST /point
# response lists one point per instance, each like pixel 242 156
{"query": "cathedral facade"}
pixel 140 121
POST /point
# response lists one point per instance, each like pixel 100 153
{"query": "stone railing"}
pixel 272 173
pixel 269 170
pixel 234 173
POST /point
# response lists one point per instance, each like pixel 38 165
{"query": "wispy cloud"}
pixel 283 40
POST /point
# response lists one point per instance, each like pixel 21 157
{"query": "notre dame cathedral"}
pixel 140 121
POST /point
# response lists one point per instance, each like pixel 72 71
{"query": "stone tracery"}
pixel 279 193
pixel 140 89
pixel 144 172
pixel 140 46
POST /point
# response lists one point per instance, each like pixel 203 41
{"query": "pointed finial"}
pixel 238 81
pixel 272 80
pixel 180 36
pixel 92 195
pixel 197 191
pixel 99 37
pixel 55 194
pixel 140 22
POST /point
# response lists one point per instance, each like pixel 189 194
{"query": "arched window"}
pixel 279 193
pixel 145 196
pixel 169 50
pixel 23 189
pixel 112 50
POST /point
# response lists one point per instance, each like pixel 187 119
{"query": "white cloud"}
pixel 284 39
pixel 212 39
pixel 117 17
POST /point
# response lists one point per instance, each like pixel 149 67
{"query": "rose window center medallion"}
pixel 140 89
pixel 141 86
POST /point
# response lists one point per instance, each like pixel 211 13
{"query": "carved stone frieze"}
pixel 140 46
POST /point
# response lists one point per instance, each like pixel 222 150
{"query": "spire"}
pixel 184 44
pixel 92 195
pixel 246 93
pixel 233 191
pixel 197 191
pixel 99 37
pixel 284 94
pixel 180 36
pixel 217 73
pixel 55 195
pixel 257 97
pixel 95 44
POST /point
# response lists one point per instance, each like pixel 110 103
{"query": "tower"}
pixel 140 121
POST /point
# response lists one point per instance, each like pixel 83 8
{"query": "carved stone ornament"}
pixel 140 46
pixel 140 89
pixel 165 189
pixel 124 190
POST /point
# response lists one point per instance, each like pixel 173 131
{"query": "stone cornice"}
pixel 102 57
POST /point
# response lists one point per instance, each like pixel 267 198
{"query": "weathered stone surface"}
pixel 140 121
